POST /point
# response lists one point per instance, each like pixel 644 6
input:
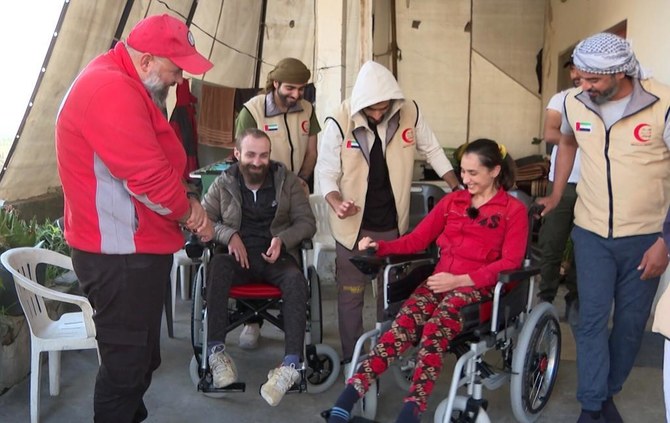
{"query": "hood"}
pixel 374 84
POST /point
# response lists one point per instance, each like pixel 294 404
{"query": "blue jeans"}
pixel 607 273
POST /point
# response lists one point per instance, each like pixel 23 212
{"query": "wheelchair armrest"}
pixel 402 258
pixel 518 274
pixel 370 265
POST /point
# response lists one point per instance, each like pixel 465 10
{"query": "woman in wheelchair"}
pixel 480 231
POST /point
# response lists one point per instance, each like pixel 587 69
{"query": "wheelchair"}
pixel 525 337
pixel 321 364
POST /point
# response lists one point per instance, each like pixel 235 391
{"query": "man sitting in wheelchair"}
pixel 261 213
pixel 480 232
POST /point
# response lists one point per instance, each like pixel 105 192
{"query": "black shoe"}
pixel 591 417
pixel 610 411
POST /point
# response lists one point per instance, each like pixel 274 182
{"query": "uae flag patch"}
pixel 271 127
pixel 353 144
pixel 583 126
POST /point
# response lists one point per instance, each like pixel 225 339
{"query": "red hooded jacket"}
pixel 120 163
pixel 482 247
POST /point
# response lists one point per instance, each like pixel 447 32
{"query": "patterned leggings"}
pixel 426 319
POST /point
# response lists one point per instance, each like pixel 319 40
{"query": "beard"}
pixel 602 97
pixel 157 89
pixel 254 175
pixel 286 101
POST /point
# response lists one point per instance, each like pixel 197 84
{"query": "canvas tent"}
pixel 470 64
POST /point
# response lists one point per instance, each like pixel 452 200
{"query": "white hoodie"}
pixel 374 84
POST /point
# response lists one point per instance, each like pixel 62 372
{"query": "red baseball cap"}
pixel 166 36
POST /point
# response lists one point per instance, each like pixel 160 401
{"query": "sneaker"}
pixel 279 382
pixel 222 367
pixel 610 412
pixel 249 336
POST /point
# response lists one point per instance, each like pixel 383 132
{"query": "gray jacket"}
pixel 293 221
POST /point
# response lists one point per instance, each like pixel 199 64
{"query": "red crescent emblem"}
pixel 408 135
pixel 642 132
pixel 305 126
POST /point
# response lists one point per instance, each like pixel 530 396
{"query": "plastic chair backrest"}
pixel 22 263
pixel 320 210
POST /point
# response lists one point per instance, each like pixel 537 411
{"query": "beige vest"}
pixel 288 132
pixel 624 187
pixel 353 184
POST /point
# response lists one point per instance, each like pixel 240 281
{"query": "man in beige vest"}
pixel 618 119
pixel 287 118
pixel 366 158
pixel 291 124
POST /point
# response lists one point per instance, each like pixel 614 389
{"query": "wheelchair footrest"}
pixel 233 387
pixel 356 419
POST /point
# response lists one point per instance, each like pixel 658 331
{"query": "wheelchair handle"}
pixel 193 247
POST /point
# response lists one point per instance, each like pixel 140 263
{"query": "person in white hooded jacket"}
pixel 364 170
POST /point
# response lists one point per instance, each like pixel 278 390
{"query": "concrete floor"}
pixel 173 398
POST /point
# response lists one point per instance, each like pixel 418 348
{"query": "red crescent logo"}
pixel 305 126
pixel 642 132
pixel 408 135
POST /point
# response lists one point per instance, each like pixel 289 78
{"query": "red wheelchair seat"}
pixel 255 290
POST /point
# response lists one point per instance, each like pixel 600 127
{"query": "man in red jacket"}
pixel 121 165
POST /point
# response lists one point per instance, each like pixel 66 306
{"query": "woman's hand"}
pixel 444 282
pixel 367 242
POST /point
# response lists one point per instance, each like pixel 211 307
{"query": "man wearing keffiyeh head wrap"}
pixel 606 54
pixel 617 119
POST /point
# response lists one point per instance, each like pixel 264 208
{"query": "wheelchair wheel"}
pixel 315 314
pixel 535 363
pixel 458 413
pixel 324 370
pixel 194 372
pixel 367 406
pixel 403 368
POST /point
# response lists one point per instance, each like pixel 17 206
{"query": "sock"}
pixel 594 414
pixel 409 413
pixel 340 413
pixel 292 359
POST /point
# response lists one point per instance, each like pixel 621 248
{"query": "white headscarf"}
pixel 606 54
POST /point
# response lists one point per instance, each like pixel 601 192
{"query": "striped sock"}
pixel 340 413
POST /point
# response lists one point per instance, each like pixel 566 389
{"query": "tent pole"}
pixel 259 50
pixel 191 12
pixel 394 41
pixel 122 22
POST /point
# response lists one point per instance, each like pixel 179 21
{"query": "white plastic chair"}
pixel 323 239
pixel 181 266
pixel 72 331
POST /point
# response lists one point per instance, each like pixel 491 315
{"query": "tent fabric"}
pixel 470 64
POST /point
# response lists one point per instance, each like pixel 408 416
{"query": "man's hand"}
pixel 304 186
pixel 367 242
pixel 549 204
pixel 654 261
pixel 207 233
pixel 346 209
pixel 444 282
pixel 197 220
pixel 236 247
pixel 273 253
